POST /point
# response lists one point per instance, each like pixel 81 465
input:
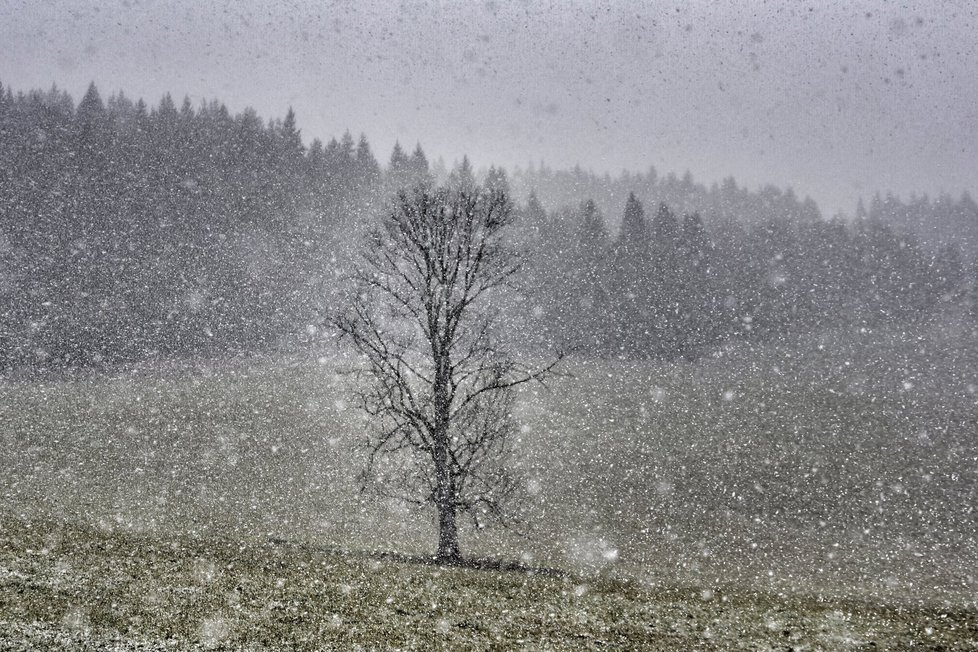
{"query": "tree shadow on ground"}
pixel 468 563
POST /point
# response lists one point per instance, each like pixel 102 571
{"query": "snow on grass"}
pixel 794 467
pixel 140 592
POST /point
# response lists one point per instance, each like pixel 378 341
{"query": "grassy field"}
pixel 831 470
pixel 66 587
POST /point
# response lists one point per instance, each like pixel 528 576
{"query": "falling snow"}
pixel 263 386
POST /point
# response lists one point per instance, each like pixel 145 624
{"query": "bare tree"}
pixel 436 377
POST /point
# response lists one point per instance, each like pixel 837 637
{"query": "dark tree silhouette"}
pixel 631 283
pixel 588 276
pixel 436 377
pixel 130 231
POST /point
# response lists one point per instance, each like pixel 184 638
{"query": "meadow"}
pixel 827 470
pixel 66 587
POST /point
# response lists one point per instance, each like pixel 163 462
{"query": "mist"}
pixel 835 101
pixel 488 325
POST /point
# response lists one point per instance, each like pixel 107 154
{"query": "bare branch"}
pixel 436 381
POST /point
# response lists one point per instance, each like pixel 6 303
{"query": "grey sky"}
pixel 835 99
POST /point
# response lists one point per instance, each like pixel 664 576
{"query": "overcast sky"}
pixel 836 99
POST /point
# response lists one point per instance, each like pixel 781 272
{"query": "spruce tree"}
pixel 631 309
pixel 366 165
pixel 591 281
pixel 419 165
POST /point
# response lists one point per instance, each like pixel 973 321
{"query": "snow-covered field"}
pixel 71 588
pixel 843 466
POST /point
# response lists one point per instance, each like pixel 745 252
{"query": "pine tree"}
pixel 290 138
pixel 366 165
pixel 497 181
pixel 634 229
pixel 695 303
pixel 91 110
pixel 534 215
pixel 664 228
pixel 590 281
pixel 461 176
pixel 419 165
pixel 399 174
pixel 631 306
pixel 399 160
pixel 346 150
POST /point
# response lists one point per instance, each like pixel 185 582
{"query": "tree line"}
pixel 667 286
pixel 130 231
pixel 935 221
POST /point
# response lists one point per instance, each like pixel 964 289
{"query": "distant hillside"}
pixel 841 463
pixel 136 232
pixel 937 223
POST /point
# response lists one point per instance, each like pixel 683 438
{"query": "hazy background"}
pixel 835 99
pixel 758 396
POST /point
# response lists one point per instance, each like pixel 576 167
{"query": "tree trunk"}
pixel 448 552
pixel 445 500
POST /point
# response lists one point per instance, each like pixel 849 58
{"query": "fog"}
pixel 488 326
pixel 837 100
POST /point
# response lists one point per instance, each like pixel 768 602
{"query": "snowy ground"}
pixel 79 588
pixel 843 466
